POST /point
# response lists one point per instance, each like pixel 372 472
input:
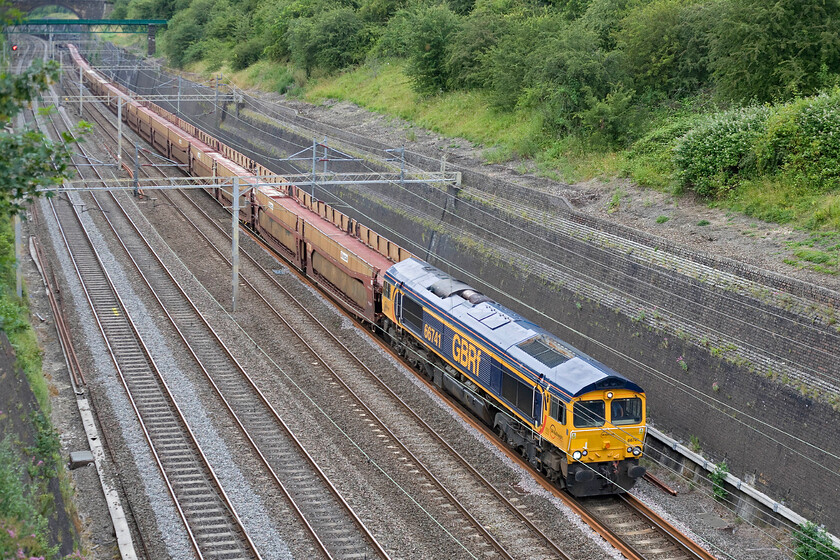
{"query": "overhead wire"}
pixel 561 324
pixel 527 249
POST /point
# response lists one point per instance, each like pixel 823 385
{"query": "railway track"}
pixel 475 535
pixel 337 373
pixel 641 533
pixel 313 332
pixel 633 528
pixel 213 527
pixel 334 527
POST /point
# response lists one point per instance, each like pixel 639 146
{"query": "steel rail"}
pixel 64 338
pixel 236 416
pixel 477 525
pixel 109 285
pixel 685 543
pixel 615 540
pixel 358 361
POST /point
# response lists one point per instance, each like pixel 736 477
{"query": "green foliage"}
pixel 557 69
pixel 665 44
pixel 650 160
pixel 393 41
pixel 776 163
pixel 185 31
pixel 604 18
pixel 468 46
pixel 662 219
pixel 47 449
pixel 717 152
pixel 717 477
pixel 611 120
pixel 802 139
pixel 775 50
pixel 120 10
pixel 813 543
pixel 28 160
pixel 379 10
pixel 577 79
pixel 333 40
pixel 694 444
pixel 22 526
pixel 430 29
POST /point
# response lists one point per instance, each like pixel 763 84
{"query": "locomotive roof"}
pixel 535 349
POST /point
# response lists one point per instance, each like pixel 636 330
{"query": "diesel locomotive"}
pixel 575 420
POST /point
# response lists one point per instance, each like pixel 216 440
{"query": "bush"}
pixel 394 39
pixel 665 45
pixel 331 40
pixel 713 156
pixel 556 68
pixel 613 119
pixel 428 38
pixel 246 53
pixel 717 477
pixel 22 526
pixel 181 41
pixel 467 48
pixel 769 51
pixel 604 18
pixel 802 139
pixel 120 10
pixel 813 543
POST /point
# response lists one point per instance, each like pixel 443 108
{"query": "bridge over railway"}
pixel 84 9
pixel 52 27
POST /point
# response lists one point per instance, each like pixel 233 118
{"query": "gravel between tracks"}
pixel 150 500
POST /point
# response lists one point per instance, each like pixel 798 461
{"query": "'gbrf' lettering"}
pixel 465 353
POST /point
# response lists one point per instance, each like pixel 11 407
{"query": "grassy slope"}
pixel 26 502
pixel 385 89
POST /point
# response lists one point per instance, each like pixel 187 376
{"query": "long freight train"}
pixel 572 418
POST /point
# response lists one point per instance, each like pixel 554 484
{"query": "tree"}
pixel 29 161
pixel 428 38
pixel 775 50
pixel 665 45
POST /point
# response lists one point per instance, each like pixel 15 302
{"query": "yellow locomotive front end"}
pixel 605 440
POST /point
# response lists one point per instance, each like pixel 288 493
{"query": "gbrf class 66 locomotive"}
pixel 575 420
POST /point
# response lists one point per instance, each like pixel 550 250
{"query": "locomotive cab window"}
pixel 557 410
pixel 626 411
pixel 589 414
pixel 388 289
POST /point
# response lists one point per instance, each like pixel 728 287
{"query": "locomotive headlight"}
pixel 609 395
pixel 637 451
pixel 585 452
pixel 576 455
pixel 629 450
